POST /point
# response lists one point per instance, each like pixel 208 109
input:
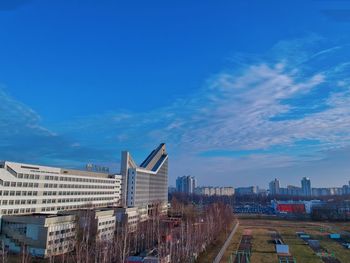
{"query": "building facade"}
pixel 44 208
pixel 186 184
pixel 274 187
pixel 146 185
pixel 219 191
pixel 249 190
pixel 99 223
pixel 43 235
pixel 306 186
pixel 27 189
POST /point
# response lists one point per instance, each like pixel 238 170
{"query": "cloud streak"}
pixel 284 108
pixel 23 138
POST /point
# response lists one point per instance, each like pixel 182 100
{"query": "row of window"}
pixel 59 240
pixel 60 249
pixel 18 184
pixel 28 176
pixel 58 177
pixel 17 211
pixel 19 202
pixel 93 186
pixel 76 193
pixel 19 193
pixel 106 229
pixel 63 231
pixel 70 200
pixel 74 179
pixel 32 210
pixel 71 207
pixel 106 222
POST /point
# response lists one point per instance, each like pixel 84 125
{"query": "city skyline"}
pixel 236 99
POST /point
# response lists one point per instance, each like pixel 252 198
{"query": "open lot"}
pixel 263 248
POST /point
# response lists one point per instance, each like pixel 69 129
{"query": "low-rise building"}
pixel 42 235
pixel 128 216
pixel 219 191
pixel 250 190
pixel 100 223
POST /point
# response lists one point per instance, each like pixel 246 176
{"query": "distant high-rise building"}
pixel 274 187
pixel 306 186
pixel 186 184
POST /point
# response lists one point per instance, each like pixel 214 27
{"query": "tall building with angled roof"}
pixel 146 185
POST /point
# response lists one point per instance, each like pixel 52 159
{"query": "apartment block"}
pixel 186 184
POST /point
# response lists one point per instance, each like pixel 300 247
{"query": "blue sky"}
pixel 240 91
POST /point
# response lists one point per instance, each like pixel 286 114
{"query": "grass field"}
pixel 263 250
pixel 263 247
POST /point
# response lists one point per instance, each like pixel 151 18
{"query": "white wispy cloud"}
pixel 24 138
pixel 297 92
pixel 235 110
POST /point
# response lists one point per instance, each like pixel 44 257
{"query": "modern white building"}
pixel 41 206
pixel 27 189
pixel 146 185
